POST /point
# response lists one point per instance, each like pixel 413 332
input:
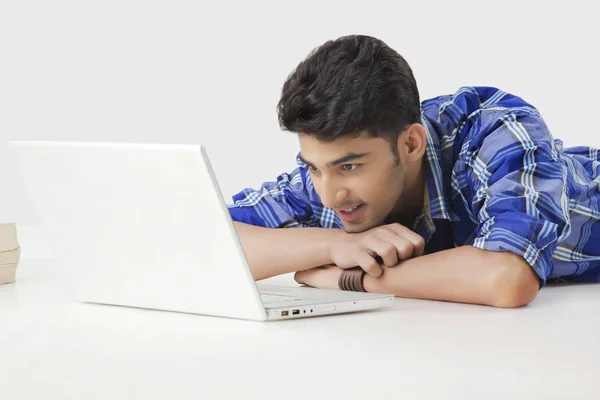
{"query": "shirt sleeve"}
pixel 519 196
pixel 285 202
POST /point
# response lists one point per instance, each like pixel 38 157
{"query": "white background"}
pixel 211 73
pixel 191 72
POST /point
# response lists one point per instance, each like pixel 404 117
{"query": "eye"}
pixel 312 168
pixel 349 167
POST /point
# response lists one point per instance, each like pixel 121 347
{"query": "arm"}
pixel 273 252
pixel 264 220
pixel 278 228
pixel 464 275
pixel 517 185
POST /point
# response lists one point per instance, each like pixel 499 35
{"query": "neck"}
pixel 412 199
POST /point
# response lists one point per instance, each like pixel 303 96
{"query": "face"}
pixel 357 177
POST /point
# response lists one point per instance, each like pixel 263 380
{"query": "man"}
pixel 463 197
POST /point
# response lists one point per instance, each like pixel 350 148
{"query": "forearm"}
pixel 273 252
pixel 464 274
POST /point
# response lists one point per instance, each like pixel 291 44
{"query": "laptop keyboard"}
pixel 277 298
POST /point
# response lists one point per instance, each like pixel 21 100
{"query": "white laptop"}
pixel 145 225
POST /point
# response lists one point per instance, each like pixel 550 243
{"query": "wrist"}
pixel 334 237
pixel 375 285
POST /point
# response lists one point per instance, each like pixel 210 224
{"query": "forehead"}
pixel 321 153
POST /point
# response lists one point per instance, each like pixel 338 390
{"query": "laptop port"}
pixel 284 313
pixel 295 312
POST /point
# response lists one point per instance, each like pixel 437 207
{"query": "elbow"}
pixel 516 284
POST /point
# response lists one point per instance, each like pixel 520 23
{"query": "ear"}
pixel 412 143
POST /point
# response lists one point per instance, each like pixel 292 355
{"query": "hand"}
pixel 325 277
pixel 391 243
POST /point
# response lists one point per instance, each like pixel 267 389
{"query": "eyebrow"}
pixel 341 160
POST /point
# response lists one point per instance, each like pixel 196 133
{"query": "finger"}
pixel 304 274
pixel 384 248
pixel 369 264
pixel 306 277
pixel 299 277
pixel 417 240
pixel 319 277
pixel 403 247
pixel 418 245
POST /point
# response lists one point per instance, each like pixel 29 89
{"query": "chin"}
pixel 353 229
pixel 359 227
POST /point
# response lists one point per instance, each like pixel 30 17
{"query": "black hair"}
pixel 348 86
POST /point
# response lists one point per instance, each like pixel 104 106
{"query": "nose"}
pixel 331 193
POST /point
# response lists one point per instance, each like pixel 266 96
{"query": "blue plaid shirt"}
pixel 495 179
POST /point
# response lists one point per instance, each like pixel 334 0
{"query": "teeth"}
pixel 349 210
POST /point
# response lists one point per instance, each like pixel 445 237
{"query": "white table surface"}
pixel 54 348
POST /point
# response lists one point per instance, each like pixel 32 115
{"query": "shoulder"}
pixel 473 113
pixel 468 101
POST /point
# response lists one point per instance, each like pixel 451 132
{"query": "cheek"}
pixel 383 190
pixel 371 189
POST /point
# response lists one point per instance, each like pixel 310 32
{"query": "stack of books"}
pixel 10 252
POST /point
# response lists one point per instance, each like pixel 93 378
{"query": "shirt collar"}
pixel 435 204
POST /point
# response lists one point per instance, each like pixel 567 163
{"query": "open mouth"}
pixel 351 214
